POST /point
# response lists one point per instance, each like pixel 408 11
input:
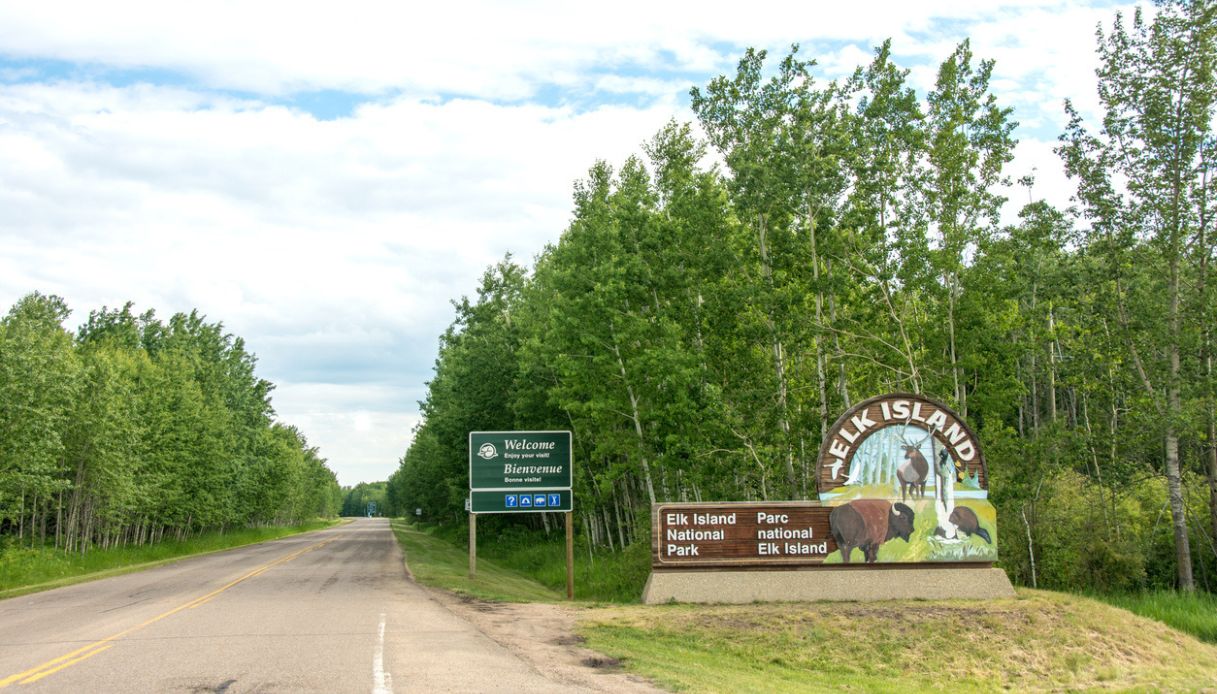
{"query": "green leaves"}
pixel 134 428
pixel 1146 181
pixel 38 384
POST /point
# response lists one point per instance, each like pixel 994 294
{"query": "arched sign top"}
pixel 888 442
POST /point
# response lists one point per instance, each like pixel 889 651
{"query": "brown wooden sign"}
pixel 761 534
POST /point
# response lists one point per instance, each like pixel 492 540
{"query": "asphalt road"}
pixel 328 611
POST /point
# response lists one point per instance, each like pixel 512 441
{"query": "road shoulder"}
pixel 544 636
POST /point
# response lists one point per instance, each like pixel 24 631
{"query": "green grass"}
pixel 616 577
pixel 1194 613
pixel 1038 641
pixel 435 561
pixel 26 570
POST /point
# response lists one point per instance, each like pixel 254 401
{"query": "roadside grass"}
pixel 26 570
pixel 438 562
pixel 1039 641
pixel 616 577
pixel 1194 613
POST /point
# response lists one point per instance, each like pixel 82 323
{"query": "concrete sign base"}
pixel 921 583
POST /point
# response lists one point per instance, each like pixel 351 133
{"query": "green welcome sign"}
pixel 519 471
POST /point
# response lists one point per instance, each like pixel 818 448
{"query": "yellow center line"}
pixel 67 659
pixel 90 654
pixel 258 571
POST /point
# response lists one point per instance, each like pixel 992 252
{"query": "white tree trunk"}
pixel 944 483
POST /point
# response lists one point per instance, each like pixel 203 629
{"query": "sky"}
pixel 325 178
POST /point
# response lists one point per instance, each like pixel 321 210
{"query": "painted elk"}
pixel 914 471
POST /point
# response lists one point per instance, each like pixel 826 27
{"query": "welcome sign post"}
pixel 521 472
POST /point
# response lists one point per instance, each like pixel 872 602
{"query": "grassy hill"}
pixel 1037 641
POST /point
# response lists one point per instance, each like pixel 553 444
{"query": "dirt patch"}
pixel 543 635
pixel 478 604
pixel 569 640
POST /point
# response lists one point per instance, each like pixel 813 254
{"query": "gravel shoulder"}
pixel 544 636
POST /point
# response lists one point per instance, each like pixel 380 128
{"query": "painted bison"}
pixel 966 521
pixel 868 523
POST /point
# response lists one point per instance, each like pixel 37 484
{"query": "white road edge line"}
pixel 382 682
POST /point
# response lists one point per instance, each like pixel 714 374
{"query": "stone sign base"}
pixel 922 583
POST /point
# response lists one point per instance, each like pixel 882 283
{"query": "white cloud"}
pixel 493 50
pixel 334 246
pixel 364 424
pixel 842 62
pixel 1036 158
pixel 616 84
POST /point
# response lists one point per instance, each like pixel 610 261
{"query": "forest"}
pixel 134 430
pixel 718 300
pixel 365 496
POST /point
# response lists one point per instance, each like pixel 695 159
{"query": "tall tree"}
pixel 969 143
pixel 884 216
pixel 1143 180
pixel 38 382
